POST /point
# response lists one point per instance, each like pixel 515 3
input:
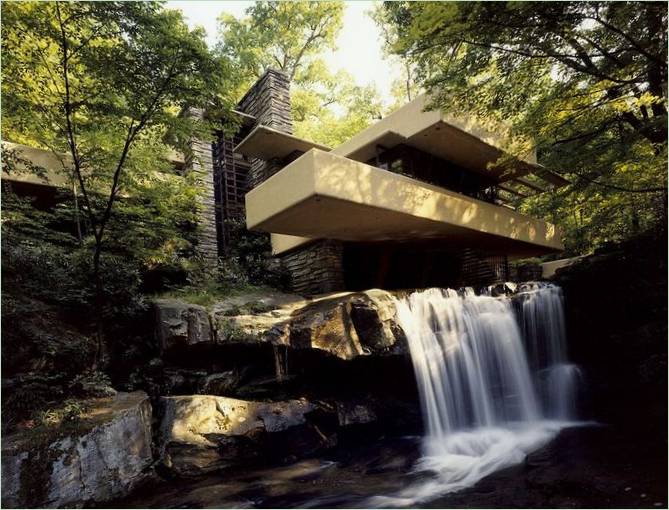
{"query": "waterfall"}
pixel 542 317
pixel 493 378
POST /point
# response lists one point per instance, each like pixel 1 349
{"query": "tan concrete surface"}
pixel 267 143
pixel 324 195
pixel 462 139
pixel 53 165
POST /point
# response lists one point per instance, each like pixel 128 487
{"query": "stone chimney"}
pixel 200 162
pixel 268 100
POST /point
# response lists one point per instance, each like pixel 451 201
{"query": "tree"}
pixel 405 88
pixel 292 36
pixel 287 36
pixel 334 109
pixel 585 80
pixel 103 85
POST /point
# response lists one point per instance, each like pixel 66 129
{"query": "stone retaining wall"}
pixel 316 268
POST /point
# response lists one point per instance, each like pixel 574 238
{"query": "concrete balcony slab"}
pixel 322 195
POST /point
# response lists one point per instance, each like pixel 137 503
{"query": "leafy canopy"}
pixel 585 80
pixel 293 37
pixel 102 85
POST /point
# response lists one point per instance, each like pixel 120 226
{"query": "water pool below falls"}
pixel 493 378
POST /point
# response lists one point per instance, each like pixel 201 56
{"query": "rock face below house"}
pixel 345 325
pixel 103 457
pixel 203 433
pixel 181 324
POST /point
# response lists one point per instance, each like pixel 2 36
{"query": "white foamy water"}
pixel 541 313
pixel 494 383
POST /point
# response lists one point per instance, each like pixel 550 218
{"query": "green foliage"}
pixel 288 36
pixel 204 293
pixel 404 88
pixel 245 267
pixel 47 264
pixel 585 82
pixel 70 413
pixel 332 109
pixel 27 400
pixel 103 85
pixel 247 259
pixel 292 37
pixel 91 384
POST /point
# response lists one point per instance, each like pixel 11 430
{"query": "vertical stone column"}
pixel 200 161
pixel 317 267
pixel 268 100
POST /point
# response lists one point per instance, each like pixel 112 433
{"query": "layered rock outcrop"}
pixel 103 457
pixel 345 325
pixel 202 433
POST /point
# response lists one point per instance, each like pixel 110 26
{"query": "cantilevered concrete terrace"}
pixel 335 195
pixel 322 195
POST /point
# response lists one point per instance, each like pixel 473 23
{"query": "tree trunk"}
pixel 100 360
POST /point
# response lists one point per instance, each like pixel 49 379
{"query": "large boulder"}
pixel 345 325
pixel 104 456
pixel 180 324
pixel 203 433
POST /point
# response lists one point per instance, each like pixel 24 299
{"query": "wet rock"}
pixel 220 383
pixel 202 433
pixel 349 325
pixel 503 289
pixel 353 413
pixel 103 457
pixel 374 317
pixel 180 324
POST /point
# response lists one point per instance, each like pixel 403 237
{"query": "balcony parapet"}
pixel 322 195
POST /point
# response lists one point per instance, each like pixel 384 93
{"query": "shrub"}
pixel 248 259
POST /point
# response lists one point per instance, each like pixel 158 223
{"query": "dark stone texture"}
pixel 616 311
pixel 268 100
pixel 316 268
pixel 199 160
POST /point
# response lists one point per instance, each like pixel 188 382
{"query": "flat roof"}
pixel 462 140
pixel 266 143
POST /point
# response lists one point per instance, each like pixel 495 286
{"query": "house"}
pixel 412 201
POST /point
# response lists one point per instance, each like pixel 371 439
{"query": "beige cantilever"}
pixel 322 195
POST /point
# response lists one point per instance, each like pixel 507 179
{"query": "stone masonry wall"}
pixel 200 161
pixel 316 268
pixel 269 101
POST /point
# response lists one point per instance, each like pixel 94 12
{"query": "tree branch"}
pixel 69 120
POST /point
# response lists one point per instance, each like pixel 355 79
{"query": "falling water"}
pixel 542 317
pixel 494 385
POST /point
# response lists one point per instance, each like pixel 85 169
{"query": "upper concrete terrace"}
pixel 43 175
pixel 55 169
pixel 336 196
